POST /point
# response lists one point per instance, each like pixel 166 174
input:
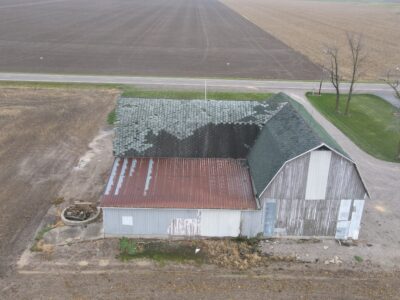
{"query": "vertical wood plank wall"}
pixel 296 216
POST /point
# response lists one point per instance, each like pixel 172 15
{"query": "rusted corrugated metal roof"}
pixel 179 183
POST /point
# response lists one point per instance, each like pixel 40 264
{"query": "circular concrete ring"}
pixel 76 223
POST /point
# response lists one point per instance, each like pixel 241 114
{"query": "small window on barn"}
pixel 127 220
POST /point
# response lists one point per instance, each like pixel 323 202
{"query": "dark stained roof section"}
pixel 211 140
pixel 189 128
pixel 290 133
pixel 196 183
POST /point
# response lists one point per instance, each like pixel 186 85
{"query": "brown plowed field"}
pixel 43 132
pixel 307 26
pixel 150 38
pixel 188 282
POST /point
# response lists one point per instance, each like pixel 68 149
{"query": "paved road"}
pixel 381 90
pixel 239 84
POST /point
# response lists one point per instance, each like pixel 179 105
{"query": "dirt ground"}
pixel 197 38
pixel 43 132
pixel 148 282
pixel 307 26
pixel 87 270
pixel 77 267
pixel 79 264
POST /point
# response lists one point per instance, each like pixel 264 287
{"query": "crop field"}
pixel 43 132
pixel 198 38
pixel 307 26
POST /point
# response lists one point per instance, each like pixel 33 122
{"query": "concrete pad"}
pixel 70 234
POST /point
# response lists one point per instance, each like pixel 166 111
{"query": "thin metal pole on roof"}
pixel 205 89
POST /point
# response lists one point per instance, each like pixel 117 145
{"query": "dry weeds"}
pixel 41 246
pixel 228 253
pixel 237 254
pixel 307 25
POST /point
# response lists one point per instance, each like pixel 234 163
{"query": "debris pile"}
pixel 335 260
pixel 80 211
pixel 236 254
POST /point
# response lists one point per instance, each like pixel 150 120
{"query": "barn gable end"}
pixel 294 214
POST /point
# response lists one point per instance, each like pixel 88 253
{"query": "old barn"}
pixel 228 168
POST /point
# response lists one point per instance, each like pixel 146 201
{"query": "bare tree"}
pixel 355 42
pixel 393 80
pixel 332 68
pixel 323 77
pixel 396 125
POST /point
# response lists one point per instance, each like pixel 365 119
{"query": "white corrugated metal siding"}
pixel 251 223
pixel 180 222
pixel 147 222
pixel 219 223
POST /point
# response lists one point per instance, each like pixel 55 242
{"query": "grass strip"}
pixel 372 123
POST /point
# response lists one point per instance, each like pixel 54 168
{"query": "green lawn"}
pixel 133 91
pixel 130 91
pixel 370 124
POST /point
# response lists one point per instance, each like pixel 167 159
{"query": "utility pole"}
pixel 205 89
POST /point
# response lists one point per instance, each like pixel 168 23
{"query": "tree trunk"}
pixel 349 96
pixel 396 91
pixel 346 112
pixel 398 151
pixel 337 101
pixel 320 87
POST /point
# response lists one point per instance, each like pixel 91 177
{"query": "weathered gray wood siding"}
pixel 296 216
pixel 344 182
pixel 306 217
pixel 291 181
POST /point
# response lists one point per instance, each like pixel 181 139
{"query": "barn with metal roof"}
pixel 228 168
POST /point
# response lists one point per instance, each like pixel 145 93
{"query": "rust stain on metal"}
pixel 184 227
pixel 180 183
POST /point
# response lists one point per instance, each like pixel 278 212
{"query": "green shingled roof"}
pixel 290 133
